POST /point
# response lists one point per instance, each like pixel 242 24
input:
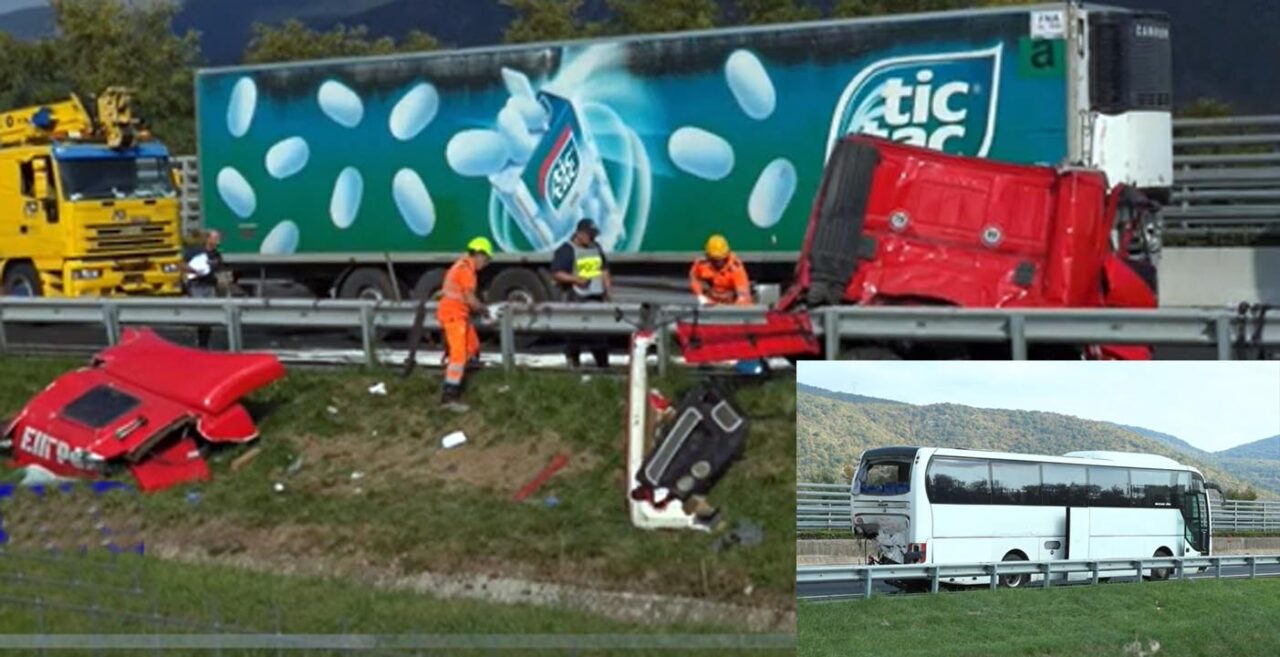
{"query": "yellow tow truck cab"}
pixel 87 208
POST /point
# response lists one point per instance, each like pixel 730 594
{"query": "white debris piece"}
pixel 378 388
pixel 453 440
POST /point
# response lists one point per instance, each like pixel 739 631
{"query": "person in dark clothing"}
pixel 582 271
pixel 202 278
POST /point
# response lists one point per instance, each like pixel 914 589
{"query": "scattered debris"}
pixel 358 490
pixel 749 367
pixel 379 388
pixel 194 497
pixel 35 475
pixel 333 410
pixel 145 404
pixel 279 487
pixel 746 534
pixel 457 407
pixel 244 459
pixel 453 440
pixel 502 389
pixel 586 378
pixel 294 466
pixel 557 462
pixel 552 501
pixel 357 475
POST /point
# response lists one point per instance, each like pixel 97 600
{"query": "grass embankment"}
pixel 133 595
pixel 1123 620
pixel 374 489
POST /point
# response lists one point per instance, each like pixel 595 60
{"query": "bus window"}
pixel 884 478
pixel 959 481
pixel 1015 483
pixel 1065 485
pixel 1153 488
pixel 1109 487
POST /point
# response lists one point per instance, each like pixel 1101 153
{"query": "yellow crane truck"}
pixel 88 206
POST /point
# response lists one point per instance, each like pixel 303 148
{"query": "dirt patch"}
pixel 483 461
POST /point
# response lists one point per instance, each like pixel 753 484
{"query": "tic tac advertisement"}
pixel 661 140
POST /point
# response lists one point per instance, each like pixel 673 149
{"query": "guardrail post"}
pixel 664 349
pixel 235 340
pixel 933 579
pixel 1048 574
pixel 366 335
pixel 1018 336
pixel 1217 568
pixel 831 333
pixel 507 340
pixel 995 576
pixel 1139 564
pixel 1093 570
pixel 111 320
pixel 1222 336
pixel 1253 567
pixel 867 584
pixel 1182 571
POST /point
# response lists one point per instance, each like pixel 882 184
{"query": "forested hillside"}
pixel 831 433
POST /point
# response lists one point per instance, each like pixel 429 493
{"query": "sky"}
pixel 1212 405
pixel 7 6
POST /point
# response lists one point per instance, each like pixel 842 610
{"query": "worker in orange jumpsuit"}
pixel 458 302
pixel 720 278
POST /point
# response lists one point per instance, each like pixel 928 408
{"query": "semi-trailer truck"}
pixel 364 177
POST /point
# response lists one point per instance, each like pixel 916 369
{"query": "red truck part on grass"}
pixel 899 225
pixel 145 404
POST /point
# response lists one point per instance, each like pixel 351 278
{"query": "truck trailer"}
pixel 365 177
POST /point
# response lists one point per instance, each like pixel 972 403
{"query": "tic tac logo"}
pixel 561 168
pixel 43 446
pixel 944 101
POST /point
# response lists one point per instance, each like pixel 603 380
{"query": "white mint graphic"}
pixel 287 157
pixel 414 202
pixel 340 103
pixel 345 202
pixel 244 99
pixel 414 111
pixel 772 193
pixel 282 240
pixel 750 84
pixel 477 153
pixel 700 153
pixel 236 192
pixel 520 141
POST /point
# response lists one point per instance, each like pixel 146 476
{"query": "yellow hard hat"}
pixel 482 245
pixel 717 247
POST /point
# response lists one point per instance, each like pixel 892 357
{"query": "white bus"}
pixel 936 506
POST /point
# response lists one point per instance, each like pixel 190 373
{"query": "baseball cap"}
pixel 589 226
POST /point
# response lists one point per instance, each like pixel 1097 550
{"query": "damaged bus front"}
pixel 882 508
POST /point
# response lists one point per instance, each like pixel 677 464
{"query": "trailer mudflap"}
pixel 781 334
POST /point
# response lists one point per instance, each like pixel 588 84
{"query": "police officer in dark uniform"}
pixel 581 269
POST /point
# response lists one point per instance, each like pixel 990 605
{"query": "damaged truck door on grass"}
pixel 145 405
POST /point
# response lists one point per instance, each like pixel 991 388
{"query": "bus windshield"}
pixel 883 477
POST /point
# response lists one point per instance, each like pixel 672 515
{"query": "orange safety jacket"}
pixel 458 281
pixel 724 285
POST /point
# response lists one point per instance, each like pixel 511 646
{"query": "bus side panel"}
pixel 973 533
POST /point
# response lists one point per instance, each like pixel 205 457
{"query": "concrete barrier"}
pixel 1219 276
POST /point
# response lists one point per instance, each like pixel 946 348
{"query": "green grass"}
pixel 129 591
pixel 1185 618
pixel 444 524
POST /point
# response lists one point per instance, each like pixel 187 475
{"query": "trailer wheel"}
pixel 429 285
pixel 22 280
pixel 517 285
pixel 1014 581
pixel 1161 574
pixel 367 283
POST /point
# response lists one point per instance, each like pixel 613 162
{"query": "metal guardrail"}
pixel 1226 176
pixel 1223 329
pixel 865 577
pixel 826 507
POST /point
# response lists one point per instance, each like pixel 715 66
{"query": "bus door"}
pixel 1195 515
pixel 1078 533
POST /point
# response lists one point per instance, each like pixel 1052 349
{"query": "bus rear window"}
pixel 884 478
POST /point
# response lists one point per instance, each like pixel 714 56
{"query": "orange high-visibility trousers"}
pixel 461 344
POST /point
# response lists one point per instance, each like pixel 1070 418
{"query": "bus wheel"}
pixel 1160 574
pixel 1014 581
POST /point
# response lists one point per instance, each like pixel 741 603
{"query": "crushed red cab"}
pixel 145 404
pixel 899 225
